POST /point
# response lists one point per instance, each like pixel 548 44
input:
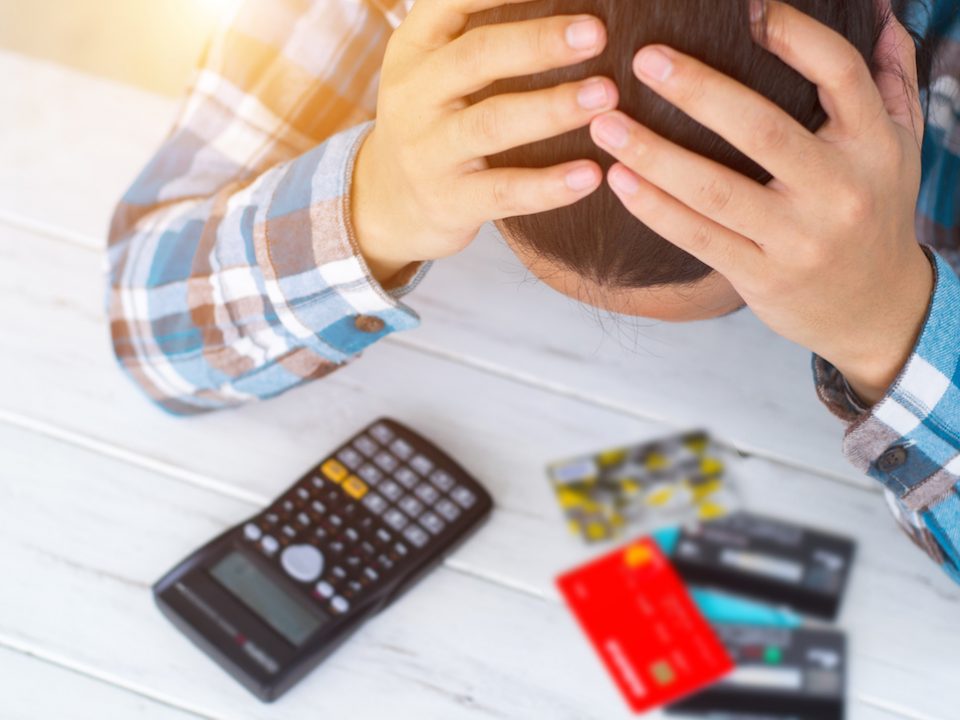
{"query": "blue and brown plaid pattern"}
pixel 233 267
pixel 910 440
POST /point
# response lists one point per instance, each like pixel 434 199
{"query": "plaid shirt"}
pixel 234 272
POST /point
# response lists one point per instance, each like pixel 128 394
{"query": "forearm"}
pixel 251 292
pixel 909 441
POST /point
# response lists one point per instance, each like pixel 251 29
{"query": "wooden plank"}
pixel 53 341
pixel 35 689
pixel 731 374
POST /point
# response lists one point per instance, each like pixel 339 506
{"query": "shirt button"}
pixel 892 459
pixel 368 323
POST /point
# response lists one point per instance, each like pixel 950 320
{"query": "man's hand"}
pixel 826 254
pixel 423 187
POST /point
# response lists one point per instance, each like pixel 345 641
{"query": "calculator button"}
pixel 303 519
pixel 367 548
pixel 335 520
pixel 320 533
pixel 442 480
pixel 324 589
pixel 365 445
pixel 355 487
pixel 287 506
pixel 303 493
pixel 382 433
pixel 411 506
pixel 383 535
pixel 318 507
pixel 406 477
pixel 334 470
pixel 336 546
pixel 375 503
pixel 369 473
pixel 386 461
pixel 401 448
pixel 339 605
pixel 427 493
pixel 302 562
pixel 269 544
pixel 317 482
pixel 391 490
pixel 351 534
pixel 288 531
pixel 446 508
pixel 366 523
pixel 354 587
pixel 416 535
pixel 400 549
pixel 421 464
pixel 385 562
pixel 464 497
pixel 338 572
pixel 350 457
pixel 395 519
pixel 432 523
pixel 371 574
pixel 252 532
pixel 272 518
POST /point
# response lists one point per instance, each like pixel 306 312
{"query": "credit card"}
pixel 643 623
pixel 781 674
pixel 769 560
pixel 639 488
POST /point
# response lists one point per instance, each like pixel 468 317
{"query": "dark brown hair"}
pixel 597 236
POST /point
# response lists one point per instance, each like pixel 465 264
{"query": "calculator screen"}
pixel 284 613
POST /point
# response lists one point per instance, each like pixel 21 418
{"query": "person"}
pixel 326 155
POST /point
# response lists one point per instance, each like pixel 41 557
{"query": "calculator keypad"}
pixel 361 512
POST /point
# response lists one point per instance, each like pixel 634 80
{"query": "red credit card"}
pixel 645 626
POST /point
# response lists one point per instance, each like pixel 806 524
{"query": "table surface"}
pixel 100 492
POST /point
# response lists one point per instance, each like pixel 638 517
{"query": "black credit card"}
pixel 769 560
pixel 780 674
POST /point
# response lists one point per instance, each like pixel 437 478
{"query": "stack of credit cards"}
pixel 643 486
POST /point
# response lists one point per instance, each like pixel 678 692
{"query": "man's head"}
pixel 595 250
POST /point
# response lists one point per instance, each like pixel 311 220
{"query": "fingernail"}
pixel 583 34
pixel 581 179
pixel 592 95
pixel 654 64
pixel 612 132
pixel 757 10
pixel 624 181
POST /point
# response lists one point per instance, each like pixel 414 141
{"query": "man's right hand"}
pixel 422 187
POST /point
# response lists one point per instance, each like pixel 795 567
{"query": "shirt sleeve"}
pixel 233 268
pixel 910 441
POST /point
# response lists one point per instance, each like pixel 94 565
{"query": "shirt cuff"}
pixel 910 440
pixel 322 288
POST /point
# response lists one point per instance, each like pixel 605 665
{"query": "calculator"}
pixel 271 597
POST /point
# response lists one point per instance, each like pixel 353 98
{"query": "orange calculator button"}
pixel 334 470
pixel 355 487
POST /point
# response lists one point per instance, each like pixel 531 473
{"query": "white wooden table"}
pixel 100 493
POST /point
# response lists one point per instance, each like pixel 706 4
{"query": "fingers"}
pixel 825 58
pixel 492 52
pixel 747 120
pixel 507 192
pixel 730 254
pixel 712 189
pixel 895 59
pixel 434 23
pixel 510 120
